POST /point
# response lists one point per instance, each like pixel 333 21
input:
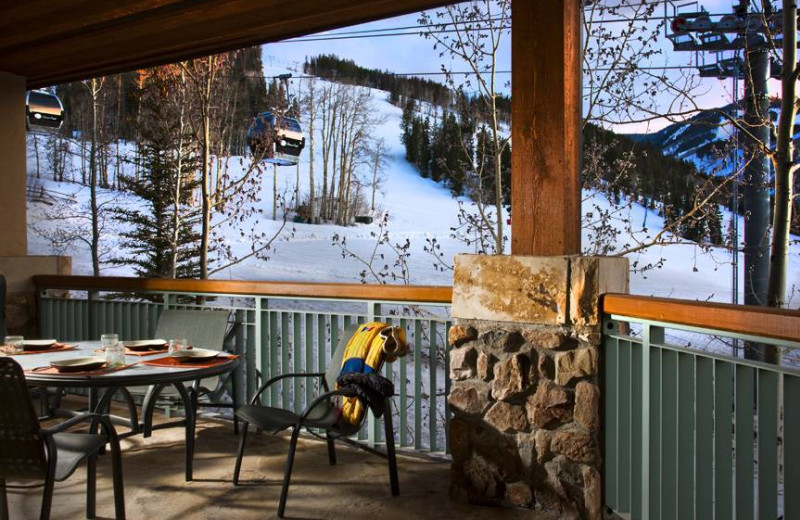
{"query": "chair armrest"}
pixel 275 379
pixel 104 421
pixel 342 392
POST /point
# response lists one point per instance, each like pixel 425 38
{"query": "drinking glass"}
pixel 115 355
pixel 15 342
pixel 107 340
pixel 176 345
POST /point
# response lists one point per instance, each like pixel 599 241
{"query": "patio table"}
pixel 102 387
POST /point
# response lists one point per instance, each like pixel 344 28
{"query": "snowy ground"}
pixel 419 209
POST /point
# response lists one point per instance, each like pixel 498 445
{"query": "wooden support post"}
pixel 12 169
pixel 546 127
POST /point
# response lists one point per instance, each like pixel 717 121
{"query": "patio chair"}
pixel 202 329
pixel 321 414
pixel 28 451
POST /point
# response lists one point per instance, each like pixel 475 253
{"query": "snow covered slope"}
pixel 419 209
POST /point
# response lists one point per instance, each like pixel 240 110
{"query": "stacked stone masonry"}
pixel 524 395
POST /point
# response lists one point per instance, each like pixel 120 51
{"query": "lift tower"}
pixel 745 34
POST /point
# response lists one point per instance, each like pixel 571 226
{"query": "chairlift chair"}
pixel 276 139
pixel 43 110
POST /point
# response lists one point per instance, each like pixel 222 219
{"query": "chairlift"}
pixel 715 42
pixel 276 139
pixel 684 41
pixel 43 110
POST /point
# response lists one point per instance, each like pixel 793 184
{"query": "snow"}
pixel 419 209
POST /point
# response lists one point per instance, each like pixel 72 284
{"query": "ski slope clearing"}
pixel 419 209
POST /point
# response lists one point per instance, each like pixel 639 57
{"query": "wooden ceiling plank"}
pixel 25 23
pixel 169 35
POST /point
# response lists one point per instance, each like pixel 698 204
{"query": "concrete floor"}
pixel 357 488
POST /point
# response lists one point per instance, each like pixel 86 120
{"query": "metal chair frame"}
pixel 330 434
pixel 46 438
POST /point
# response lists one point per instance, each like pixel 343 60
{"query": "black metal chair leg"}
pixel 390 453
pixel 331 449
pixel 47 497
pixel 119 487
pixel 240 454
pixel 91 486
pixel 287 477
pixel 3 500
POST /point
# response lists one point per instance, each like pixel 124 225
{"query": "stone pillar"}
pixel 524 368
pixel 14 237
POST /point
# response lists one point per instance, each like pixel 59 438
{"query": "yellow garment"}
pixel 364 353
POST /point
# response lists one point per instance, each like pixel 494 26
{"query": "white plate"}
pixel 146 344
pixel 78 364
pixel 195 354
pixel 37 344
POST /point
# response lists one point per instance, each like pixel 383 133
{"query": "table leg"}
pixel 191 418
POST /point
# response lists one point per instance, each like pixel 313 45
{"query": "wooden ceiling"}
pixel 56 41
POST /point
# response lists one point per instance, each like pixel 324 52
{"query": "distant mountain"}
pixel 701 139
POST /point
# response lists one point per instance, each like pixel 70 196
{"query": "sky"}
pixel 411 53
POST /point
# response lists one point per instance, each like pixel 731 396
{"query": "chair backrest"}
pixel 202 329
pixel 3 329
pixel 22 451
pixel 335 365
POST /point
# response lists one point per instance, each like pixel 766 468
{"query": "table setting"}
pixel 88 359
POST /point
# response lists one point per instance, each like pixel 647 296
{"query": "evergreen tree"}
pixel 153 224
pixel 715 226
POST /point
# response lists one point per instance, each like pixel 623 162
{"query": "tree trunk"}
pixel 93 184
pixel 274 192
pixel 784 158
pixel 312 113
pixel 206 170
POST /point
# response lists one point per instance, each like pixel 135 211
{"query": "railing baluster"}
pixel 432 360
pixel 653 502
pixel 309 383
pixel 723 440
pixel 263 345
pixel 768 445
pixel 791 445
pixel 273 357
pixel 611 413
pixel 447 414
pixel 669 436
pixel 704 418
pixel 322 336
pixel 625 425
pixel 686 447
pixel 402 407
pixel 250 357
pixel 637 419
pixel 417 384
pixel 285 368
pixel 744 442
pixel 297 360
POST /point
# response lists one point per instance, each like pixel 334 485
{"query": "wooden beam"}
pixel 782 324
pixel 134 34
pixel 344 291
pixel 546 127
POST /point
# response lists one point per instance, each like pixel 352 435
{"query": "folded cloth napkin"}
pixel 371 389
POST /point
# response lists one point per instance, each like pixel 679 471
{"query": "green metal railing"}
pixel 277 334
pixel 696 434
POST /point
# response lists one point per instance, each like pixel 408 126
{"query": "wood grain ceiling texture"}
pixel 51 42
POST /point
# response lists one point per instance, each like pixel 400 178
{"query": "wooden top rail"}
pixel 344 291
pixel 782 324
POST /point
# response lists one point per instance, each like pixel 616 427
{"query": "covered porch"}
pixel 524 388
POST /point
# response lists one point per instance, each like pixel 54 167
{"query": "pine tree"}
pixel 151 225
pixel 151 221
pixel 715 226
